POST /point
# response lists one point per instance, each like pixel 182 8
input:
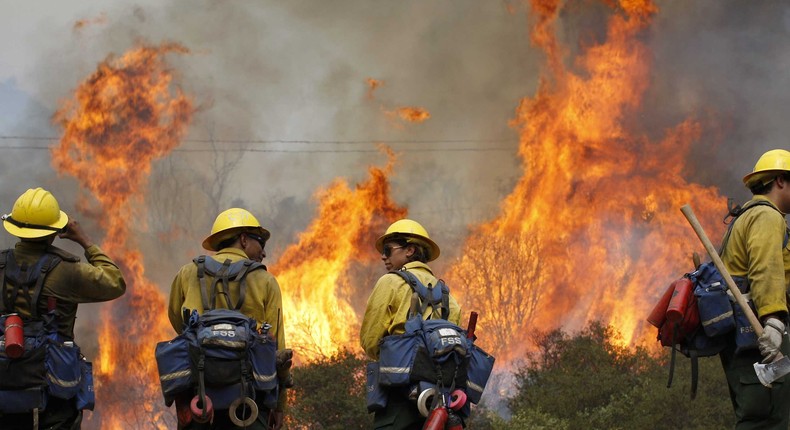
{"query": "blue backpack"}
pixel 50 365
pixel 708 315
pixel 220 355
pixel 434 358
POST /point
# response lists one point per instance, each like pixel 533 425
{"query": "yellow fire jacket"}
pixel 754 250
pixel 388 307
pixel 71 282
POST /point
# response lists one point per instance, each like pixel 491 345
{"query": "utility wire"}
pixel 279 141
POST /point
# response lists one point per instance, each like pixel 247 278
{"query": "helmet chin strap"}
pixel 7 217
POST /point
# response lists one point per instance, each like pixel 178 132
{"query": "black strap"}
pixel 15 291
pixel 445 299
pixel 242 277
pixel 672 356
pixel 201 265
pixel 46 266
pixel 21 224
pixel 694 372
pixel 221 277
pixel 734 211
pixel 5 306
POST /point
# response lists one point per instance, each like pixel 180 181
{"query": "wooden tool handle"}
pixel 714 255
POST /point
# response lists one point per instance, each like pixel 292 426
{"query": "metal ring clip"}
pixel 249 403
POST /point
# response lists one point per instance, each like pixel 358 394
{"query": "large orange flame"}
pixel 122 118
pixel 592 230
pixel 323 275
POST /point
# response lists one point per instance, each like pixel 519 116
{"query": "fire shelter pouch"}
pixel 63 369
pixel 86 397
pixel 172 361
pixel 480 366
pixel 715 309
pixel 396 358
pixel 376 395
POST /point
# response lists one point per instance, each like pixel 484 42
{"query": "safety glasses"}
pixel 388 250
pixel 257 238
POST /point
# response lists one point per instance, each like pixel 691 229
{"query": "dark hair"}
pixel 228 242
pixel 420 253
pixel 760 189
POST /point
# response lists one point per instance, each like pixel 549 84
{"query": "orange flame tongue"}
pixel 592 230
pixel 122 118
pixel 411 114
pixel 318 287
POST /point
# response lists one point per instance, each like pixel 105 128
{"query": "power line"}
pixel 308 142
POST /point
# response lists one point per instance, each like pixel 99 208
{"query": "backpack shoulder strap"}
pixel 247 266
pixel 4 305
pixel 21 278
pixel 45 264
pixel 429 296
pixel 735 211
pixel 445 299
pixel 224 273
pixel 200 261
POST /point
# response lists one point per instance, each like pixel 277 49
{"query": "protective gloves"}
pixel 283 365
pixel 771 339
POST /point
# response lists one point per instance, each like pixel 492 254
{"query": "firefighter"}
pixel 237 235
pixel 404 246
pixel 36 219
pixel 757 251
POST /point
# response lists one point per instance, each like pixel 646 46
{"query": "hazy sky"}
pixel 290 71
pixel 297 71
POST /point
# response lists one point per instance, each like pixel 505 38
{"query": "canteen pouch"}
pixel 172 361
pixel 63 369
pixel 715 309
pixel 396 358
pixel 264 371
pixel 86 397
pixel 264 364
pixel 480 366
pixel 376 396
pixel 268 398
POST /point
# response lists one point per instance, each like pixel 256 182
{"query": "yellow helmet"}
pixel 773 161
pixel 36 213
pixel 413 232
pixel 230 223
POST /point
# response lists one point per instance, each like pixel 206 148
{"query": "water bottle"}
pixel 14 336
pixel 437 419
